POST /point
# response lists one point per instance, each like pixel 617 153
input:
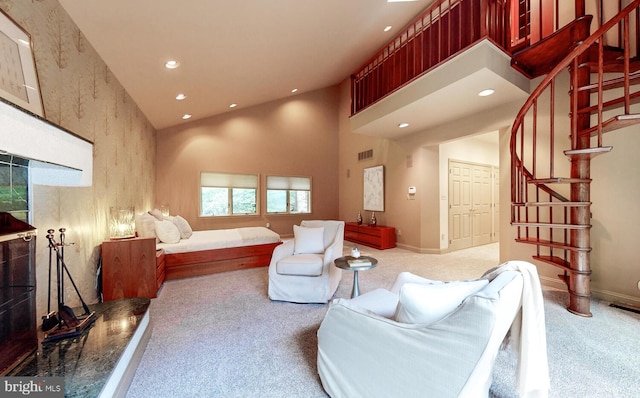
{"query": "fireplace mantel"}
pixel 62 158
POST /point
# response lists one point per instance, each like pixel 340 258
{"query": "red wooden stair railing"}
pixel 552 211
pixel 444 29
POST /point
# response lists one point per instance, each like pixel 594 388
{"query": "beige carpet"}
pixel 220 335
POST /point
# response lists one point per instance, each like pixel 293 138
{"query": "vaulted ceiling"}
pixel 243 52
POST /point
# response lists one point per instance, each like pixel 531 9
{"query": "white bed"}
pixel 220 250
pixel 221 239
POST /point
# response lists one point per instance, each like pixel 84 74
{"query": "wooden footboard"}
pixel 205 262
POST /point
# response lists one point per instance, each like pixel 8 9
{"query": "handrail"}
pixel 563 239
pixel 549 79
pixel 445 28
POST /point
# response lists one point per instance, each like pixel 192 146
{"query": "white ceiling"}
pixel 233 51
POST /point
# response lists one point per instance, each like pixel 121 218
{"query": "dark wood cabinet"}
pixel 378 237
pixel 131 268
pixel 18 330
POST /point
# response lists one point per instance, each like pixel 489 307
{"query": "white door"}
pixel 481 209
pixel 471 205
pixel 460 190
pixel 495 236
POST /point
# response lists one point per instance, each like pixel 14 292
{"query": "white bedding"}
pixel 221 239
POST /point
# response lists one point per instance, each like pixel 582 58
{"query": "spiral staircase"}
pixel 550 200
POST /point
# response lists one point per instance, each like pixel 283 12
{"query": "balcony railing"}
pixel 446 28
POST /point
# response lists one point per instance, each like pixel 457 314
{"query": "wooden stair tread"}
pixel 616 103
pixel 540 58
pixel 552 244
pixel 615 123
pixel 558 180
pixel 588 152
pixel 634 78
pixel 560 263
pixel 549 225
pixel 555 261
pixel 613 65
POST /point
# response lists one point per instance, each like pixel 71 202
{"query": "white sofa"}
pixel 364 351
pixel 307 276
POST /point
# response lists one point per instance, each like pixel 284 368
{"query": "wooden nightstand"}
pixel 131 268
pixel 160 266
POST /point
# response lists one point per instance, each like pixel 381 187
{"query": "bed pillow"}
pixel 308 240
pixel 429 303
pixel 146 226
pixel 167 231
pixel 183 226
pixel 157 214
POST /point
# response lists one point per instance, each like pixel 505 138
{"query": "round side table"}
pixel 350 263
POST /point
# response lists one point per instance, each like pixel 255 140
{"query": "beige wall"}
pixel 80 94
pixel 615 259
pixel 308 134
pixel 293 136
pixel 418 160
pixel 614 192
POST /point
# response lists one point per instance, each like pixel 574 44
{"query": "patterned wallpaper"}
pixel 81 94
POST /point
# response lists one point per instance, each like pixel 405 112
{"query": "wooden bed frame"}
pixel 205 262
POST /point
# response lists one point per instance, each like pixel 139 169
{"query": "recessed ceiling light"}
pixel 486 93
pixel 180 97
pixel 186 116
pixel 403 125
pixel 294 90
pixel 171 64
pixel 388 28
pixel 233 105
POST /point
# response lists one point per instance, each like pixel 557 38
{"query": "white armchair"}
pixel 301 269
pixel 403 342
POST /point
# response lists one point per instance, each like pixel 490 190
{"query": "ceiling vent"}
pixel 364 155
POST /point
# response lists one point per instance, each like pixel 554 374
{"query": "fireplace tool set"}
pixel 63 323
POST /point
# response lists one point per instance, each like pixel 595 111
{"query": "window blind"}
pixel 228 180
pixel 292 183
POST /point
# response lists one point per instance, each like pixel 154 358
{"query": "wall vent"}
pixel 364 155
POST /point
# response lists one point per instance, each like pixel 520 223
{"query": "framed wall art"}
pixel 374 188
pixel 18 75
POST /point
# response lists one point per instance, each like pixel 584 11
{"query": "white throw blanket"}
pixel 528 336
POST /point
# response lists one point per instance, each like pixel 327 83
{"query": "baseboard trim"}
pixel 420 250
pixel 605 295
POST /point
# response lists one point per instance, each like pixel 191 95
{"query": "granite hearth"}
pixel 102 360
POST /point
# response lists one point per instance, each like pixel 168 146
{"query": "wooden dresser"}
pixel 131 268
pixel 378 237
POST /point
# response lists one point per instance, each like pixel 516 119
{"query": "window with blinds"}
pixel 228 194
pixel 288 195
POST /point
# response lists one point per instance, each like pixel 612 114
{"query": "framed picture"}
pixel 374 188
pixel 18 75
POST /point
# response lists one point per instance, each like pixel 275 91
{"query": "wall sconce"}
pixel 122 222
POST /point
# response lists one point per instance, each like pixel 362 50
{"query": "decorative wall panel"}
pixel 81 94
